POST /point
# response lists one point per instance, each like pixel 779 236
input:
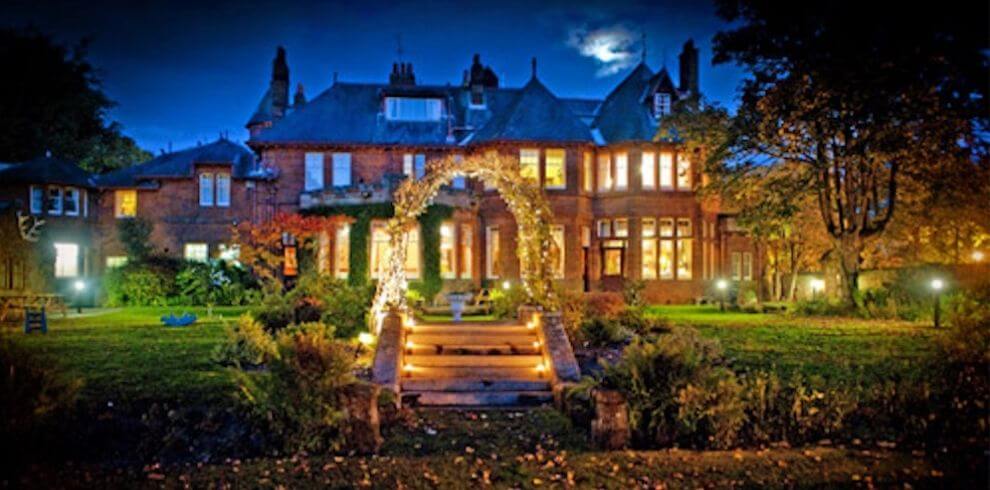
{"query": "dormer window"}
pixel 413 109
pixel 661 104
pixel 477 97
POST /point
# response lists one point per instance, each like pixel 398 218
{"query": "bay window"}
pixel 666 260
pixel 684 249
pixel 666 170
pixel 647 170
pixel 604 172
pixel 649 246
pixel 529 165
pixel 555 172
pixel 622 171
pixel 588 172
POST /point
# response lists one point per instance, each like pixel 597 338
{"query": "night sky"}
pixel 184 72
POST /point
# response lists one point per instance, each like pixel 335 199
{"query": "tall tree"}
pixel 864 95
pixel 51 100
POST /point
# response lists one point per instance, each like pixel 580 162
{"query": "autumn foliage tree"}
pixel 261 246
pixel 863 95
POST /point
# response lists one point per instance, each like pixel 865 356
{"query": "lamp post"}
pixel 817 286
pixel 937 286
pixel 723 287
pixel 79 286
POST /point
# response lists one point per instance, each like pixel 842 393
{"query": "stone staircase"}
pixel 473 364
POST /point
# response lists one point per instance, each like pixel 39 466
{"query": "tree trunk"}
pixel 849 250
pixel 792 288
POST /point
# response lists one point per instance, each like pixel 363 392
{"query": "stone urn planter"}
pixel 457 303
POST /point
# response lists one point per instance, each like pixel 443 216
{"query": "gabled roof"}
pixel 47 170
pixel 535 115
pixel 623 115
pixel 660 82
pixel 181 164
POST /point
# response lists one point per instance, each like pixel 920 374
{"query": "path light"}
pixel 366 338
pixel 723 287
pixel 506 285
pixel 79 286
pixel 536 344
pixel 937 285
pixel 977 256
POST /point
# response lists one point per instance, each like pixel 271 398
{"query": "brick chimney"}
pixel 280 84
pixel 689 69
pixel 402 74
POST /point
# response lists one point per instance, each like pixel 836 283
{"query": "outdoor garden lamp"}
pixel 79 286
pixel 722 286
pixel 937 285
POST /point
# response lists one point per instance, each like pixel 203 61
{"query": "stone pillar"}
pixel 557 347
pixel 362 427
pixel 610 428
pixel 388 354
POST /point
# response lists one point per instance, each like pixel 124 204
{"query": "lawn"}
pixel 126 355
pixel 835 349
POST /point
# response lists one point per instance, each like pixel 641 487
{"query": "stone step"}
pixel 471 339
pixel 529 361
pixel 474 398
pixel 486 373
pixel 472 329
pixel 473 384
pixel 473 349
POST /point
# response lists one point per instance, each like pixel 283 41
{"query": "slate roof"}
pixel 263 113
pixel 180 164
pixel 352 114
pixel 46 170
pixel 623 115
pixel 534 115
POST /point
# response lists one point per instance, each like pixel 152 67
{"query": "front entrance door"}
pixel 613 264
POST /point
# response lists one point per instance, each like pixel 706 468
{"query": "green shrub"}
pixel 147 283
pixel 636 321
pixel 275 310
pixel 317 298
pixel 678 392
pixel 215 283
pixel 602 332
pixel 298 400
pixel 506 302
pixel 134 235
pixel 967 339
pixel 793 411
pixel 246 344
pixel 632 292
pixel 603 304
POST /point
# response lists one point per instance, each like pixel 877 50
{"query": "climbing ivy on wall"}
pixel 363 214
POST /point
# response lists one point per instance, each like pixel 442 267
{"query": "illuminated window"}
pixel 612 261
pixel 529 165
pixel 419 165
pixel 413 109
pixel 649 241
pixel 342 251
pixel 206 189
pixel 747 266
pixel 414 165
pixel 115 261
pixel 683 172
pixel 381 249
pixel 55 200
pixel 622 171
pixel 588 172
pixel 556 169
pixel 620 228
pixel 661 105
pixel 604 172
pixel 736 266
pixel 125 203
pixel 223 190
pixel 196 252
pixel 66 260
pixel 71 201
pixel 666 170
pixel 557 235
pixel 37 197
pixel 684 263
pixel 493 253
pixel 648 170
pixel 341 169
pixel 447 239
pixel 467 241
pixel 666 253
pixel 314 172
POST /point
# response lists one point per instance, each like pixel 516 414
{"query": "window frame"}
pixel 118 203
pixel 222 177
pixel 620 181
pixel 666 157
pixel 341 161
pixel 206 188
pixel 648 178
pixel 64 269
pixel 493 249
pixel 604 172
pixel 54 200
pixel 554 153
pixel 66 192
pixel 189 246
pixel 36 203
pixel 525 156
pixel 310 161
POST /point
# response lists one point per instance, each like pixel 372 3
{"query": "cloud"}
pixel 614 47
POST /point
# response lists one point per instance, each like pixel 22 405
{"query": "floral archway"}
pixel 535 248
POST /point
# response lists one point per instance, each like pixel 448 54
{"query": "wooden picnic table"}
pixel 19 300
